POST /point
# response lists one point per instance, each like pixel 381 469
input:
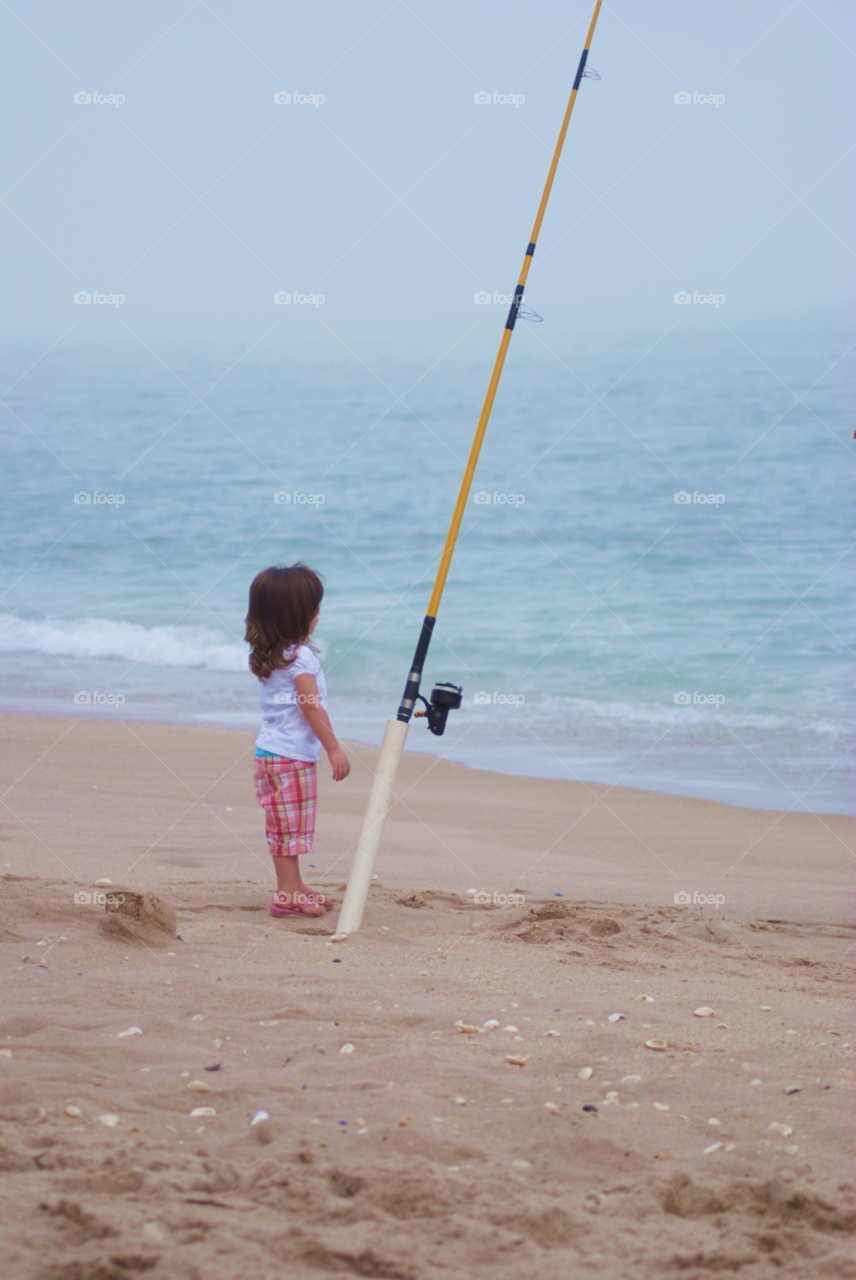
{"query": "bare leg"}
pixel 289 883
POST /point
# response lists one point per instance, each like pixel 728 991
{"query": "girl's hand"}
pixel 340 763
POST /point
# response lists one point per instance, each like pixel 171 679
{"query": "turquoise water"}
pixel 579 607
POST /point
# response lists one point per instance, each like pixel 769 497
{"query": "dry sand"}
pixel 422 1151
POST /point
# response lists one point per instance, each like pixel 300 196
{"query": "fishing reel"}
pixel 445 697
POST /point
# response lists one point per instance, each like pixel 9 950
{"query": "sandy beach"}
pixel 629 1052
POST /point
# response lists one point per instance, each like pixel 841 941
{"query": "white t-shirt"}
pixel 285 730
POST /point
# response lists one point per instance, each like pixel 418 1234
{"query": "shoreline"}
pixel 681 790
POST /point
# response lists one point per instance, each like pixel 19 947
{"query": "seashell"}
pixel 515 1060
pixel 585 1073
pixel 646 999
pixel 552 1108
pixel 103 880
pixel 5 1053
pixel 722 1026
pixel 198 1086
pixel 704 1012
pixel 338 937
pixel 611 1095
pixel 466 1029
pixel 71 1111
pixel 347 1048
pixel 714 1146
pixel 109 1120
pixel 198 1112
pixel 260 1117
pixel 755 1081
pixel 715 1123
pixel 271 1022
pixel 784 1129
pixel 790 1033
pixel 731 1146
pixel 660 1106
pixel 509 1028
pixel 462 1102
pixel 615 1017
pixel 521 1164
pixel 631 1079
pixel 765 1008
pixel 132 1031
pixel 656 1043
pixel 491 1024
pixel 792 1088
pixel 198 1017
pixel 791 1151
pixel 552 1033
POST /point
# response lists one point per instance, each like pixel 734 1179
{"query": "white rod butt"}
pixel 380 800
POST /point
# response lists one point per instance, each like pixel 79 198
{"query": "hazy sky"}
pixel 399 196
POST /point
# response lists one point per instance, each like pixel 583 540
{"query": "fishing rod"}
pixel 445 697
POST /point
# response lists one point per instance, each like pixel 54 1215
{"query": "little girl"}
pixel 284 608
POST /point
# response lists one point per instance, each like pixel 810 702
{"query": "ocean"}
pixel 650 589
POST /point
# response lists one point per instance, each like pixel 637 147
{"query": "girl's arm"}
pixel 309 702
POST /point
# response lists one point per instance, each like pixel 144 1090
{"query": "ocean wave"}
pixel 176 646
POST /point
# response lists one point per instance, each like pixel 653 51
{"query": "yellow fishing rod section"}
pixel 411 691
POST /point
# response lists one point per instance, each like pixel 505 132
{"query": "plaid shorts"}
pixel 287 791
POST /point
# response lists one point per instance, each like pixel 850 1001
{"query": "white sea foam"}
pixel 177 646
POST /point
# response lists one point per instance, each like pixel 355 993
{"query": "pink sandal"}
pixel 308 908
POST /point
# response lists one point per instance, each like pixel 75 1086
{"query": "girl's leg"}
pixel 290 888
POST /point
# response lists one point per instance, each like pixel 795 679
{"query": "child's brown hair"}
pixel 283 602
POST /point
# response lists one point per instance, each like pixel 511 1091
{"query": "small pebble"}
pixel 552 1108
pixel 792 1088
pixel 104 880
pixel 71 1111
pixel 722 1026
pixel 790 1033
pixel 631 1079
pixel 615 1017
pixel 338 937
pixel 755 1081
pixel 507 1099
pixel 5 1053
pixel 109 1120
pixel 552 1033
pixel 646 999
pixel 585 1073
pixel 656 1044
pixel 491 1024
pixel 715 1123
pixel 521 1164
pixel 271 1022
pixel 347 1048
pixel 784 1129
pixel 132 1031
pixel 198 1113
pixel 465 1029
pixel 714 1146
pixel 765 1008
pixel 704 1012
pixel 509 1028
pixel 462 1102
pixel 589 1107
pixel 152 1233
pixel 198 1086
pixel 405 1120
pixel 515 1061
pixel 791 1151
pixel 260 1117
pixel 660 1106
pixel 198 1017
